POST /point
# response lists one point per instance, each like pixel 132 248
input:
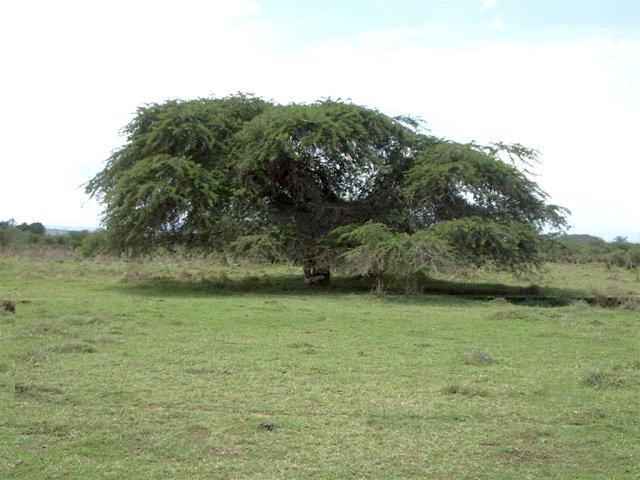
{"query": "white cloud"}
pixel 497 23
pixel 489 4
pixel 393 35
pixel 79 70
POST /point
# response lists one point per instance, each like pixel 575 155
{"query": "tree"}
pixel 207 172
pixel 36 228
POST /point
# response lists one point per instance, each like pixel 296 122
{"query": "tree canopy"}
pixel 209 173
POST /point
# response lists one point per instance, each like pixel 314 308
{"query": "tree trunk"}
pixel 316 274
pixel 323 271
pixel 307 268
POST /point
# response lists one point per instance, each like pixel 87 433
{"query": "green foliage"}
pixel 23 234
pixel 633 256
pixel 94 244
pixel 34 234
pixel 373 249
pixel 304 155
pixel 167 199
pixel 478 241
pixel 75 239
pixel 451 181
pixel 624 254
pixel 35 228
pixel 316 167
pixel 209 173
pixel 258 248
pixel 173 182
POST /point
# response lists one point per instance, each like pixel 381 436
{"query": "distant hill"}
pixel 57 230
pixel 580 238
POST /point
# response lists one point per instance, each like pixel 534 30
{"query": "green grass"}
pixel 185 370
pixel 571 280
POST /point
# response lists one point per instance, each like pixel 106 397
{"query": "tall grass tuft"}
pixel 479 356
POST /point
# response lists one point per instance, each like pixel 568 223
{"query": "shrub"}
pixel 93 244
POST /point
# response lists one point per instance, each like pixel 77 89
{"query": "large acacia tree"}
pixel 209 173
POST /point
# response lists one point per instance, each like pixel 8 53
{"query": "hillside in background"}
pixel 580 238
pixel 58 230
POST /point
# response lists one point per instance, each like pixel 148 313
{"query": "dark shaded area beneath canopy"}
pixel 430 291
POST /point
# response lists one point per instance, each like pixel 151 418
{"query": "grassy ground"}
pixel 184 370
pixel 574 280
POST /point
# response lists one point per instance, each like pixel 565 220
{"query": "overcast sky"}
pixel 562 76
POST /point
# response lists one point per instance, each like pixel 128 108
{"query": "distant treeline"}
pixel 588 249
pixel 13 234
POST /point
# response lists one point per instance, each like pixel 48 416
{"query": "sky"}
pixel 561 76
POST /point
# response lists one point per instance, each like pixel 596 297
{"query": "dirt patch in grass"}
pixel 23 390
pixel 464 389
pixel 107 339
pixel 75 347
pixel 599 379
pixel 519 454
pixel 533 435
pixel 47 428
pixel 35 356
pixel 86 320
pixel 200 435
pixel 585 417
pixel 303 347
pixel 226 451
pixel 511 314
pixel 47 327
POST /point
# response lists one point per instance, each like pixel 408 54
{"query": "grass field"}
pixel 186 370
